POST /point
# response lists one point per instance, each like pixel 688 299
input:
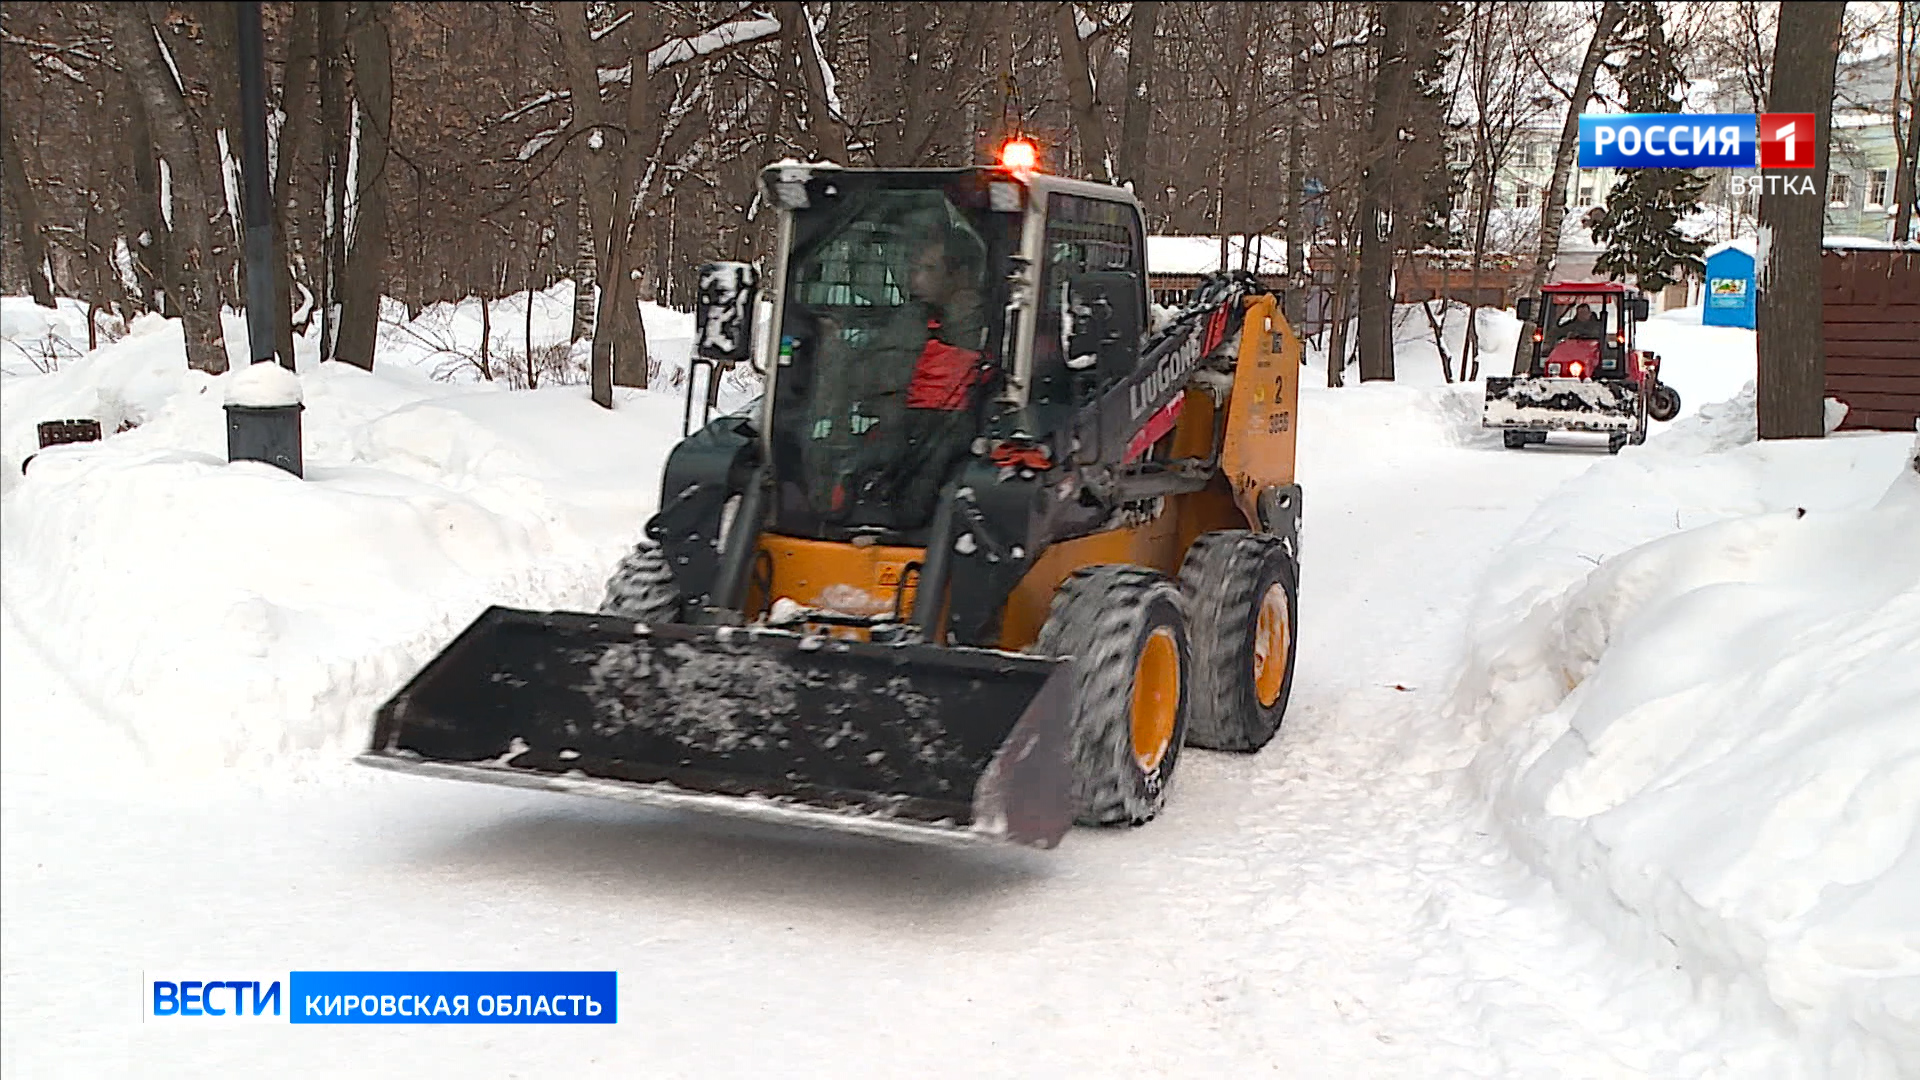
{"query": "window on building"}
pixel 1878 183
pixel 1586 194
pixel 1840 189
pixel 1522 198
pixel 1525 156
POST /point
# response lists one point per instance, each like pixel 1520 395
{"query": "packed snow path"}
pixel 1328 908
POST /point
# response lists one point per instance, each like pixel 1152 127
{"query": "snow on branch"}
pixel 1084 24
pixel 680 50
pixel 830 86
pixel 548 98
pixel 539 142
pixel 610 27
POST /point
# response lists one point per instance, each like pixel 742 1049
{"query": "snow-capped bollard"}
pixel 263 417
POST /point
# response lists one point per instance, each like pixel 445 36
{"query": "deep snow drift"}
pixel 1686 707
pixel 277 612
pixel 1699 681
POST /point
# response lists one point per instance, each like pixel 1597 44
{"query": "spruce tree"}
pixel 1641 222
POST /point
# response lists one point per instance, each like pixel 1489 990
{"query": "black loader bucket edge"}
pixel 1545 404
pixel 920 741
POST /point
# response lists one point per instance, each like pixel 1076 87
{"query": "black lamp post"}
pixel 263 414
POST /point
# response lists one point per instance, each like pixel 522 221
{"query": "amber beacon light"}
pixel 1020 155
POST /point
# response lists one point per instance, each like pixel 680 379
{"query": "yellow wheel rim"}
pixel 1271 633
pixel 1156 698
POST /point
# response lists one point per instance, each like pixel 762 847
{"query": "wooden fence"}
pixel 1871 312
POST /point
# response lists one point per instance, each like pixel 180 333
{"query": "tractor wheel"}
pixel 1515 440
pixel 1126 629
pixel 642 587
pixel 1615 442
pixel 1665 404
pixel 1242 604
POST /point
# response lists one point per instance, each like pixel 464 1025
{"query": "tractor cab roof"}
pixel 1588 288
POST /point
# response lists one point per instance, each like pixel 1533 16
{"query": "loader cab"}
pixel 892 332
pixel 1585 330
pixel 919 310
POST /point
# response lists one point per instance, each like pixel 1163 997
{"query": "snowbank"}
pixel 33 338
pixel 1692 700
pixel 230 613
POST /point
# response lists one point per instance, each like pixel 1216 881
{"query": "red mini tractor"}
pixel 1587 373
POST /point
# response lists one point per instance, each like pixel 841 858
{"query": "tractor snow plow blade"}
pixel 1542 404
pixel 932 743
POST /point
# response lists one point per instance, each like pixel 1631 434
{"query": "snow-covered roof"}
pixel 1201 254
pixel 1876 243
pixel 1743 245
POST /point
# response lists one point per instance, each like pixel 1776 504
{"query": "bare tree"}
pixel 33 240
pixel 1136 128
pixel 373 90
pixel 1089 125
pixel 613 163
pixel 1906 116
pixel 1390 89
pixel 1553 211
pixel 1792 346
pixel 1505 97
pixel 190 270
pixel 296 104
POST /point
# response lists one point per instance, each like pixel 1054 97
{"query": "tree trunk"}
pixel 190 273
pixel 373 89
pixel 1296 297
pixel 576 52
pixel 149 241
pixel 1136 125
pixel 1792 356
pixel 296 100
pixel 631 366
pixel 330 213
pixel 1906 167
pixel 1337 333
pixel 1553 202
pixel 1095 153
pixel 33 242
pixel 824 136
pixel 1377 183
pixel 613 176
pixel 583 274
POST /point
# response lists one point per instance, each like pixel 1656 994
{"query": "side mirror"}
pixel 1523 307
pixel 1640 308
pixel 723 320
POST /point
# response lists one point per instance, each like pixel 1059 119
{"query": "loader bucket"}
pixel 1545 404
pixel 917 740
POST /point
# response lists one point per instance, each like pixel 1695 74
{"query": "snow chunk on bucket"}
pixel 264 385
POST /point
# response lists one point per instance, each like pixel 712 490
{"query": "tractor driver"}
pixel 1584 325
pixel 915 386
pixel 944 283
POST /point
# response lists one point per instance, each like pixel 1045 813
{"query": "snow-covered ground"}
pixel 1596 766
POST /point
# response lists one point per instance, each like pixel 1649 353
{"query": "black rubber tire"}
pixel 1225 577
pixel 1103 616
pixel 642 587
pixel 1615 442
pixel 1514 440
pixel 1665 404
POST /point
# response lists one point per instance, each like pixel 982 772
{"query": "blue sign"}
pixel 1668 141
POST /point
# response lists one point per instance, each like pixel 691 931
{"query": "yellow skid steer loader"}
pixel 984 556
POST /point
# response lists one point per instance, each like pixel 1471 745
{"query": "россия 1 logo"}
pixel 1699 141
